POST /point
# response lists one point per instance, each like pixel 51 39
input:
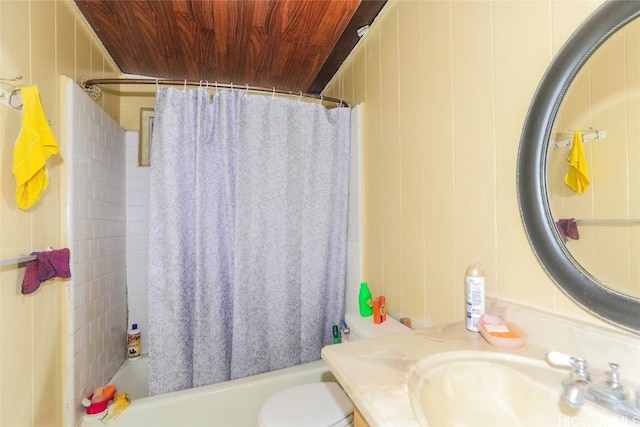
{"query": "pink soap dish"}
pixel 501 333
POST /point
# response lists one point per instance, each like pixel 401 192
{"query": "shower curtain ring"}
pixel 273 93
pixel 247 91
pixel 157 84
pixel 321 99
pixel 184 88
pixel 300 96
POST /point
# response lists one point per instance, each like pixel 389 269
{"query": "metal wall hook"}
pixel 16 78
pixel 6 98
pixel 10 100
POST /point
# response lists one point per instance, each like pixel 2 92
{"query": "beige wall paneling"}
pixel 479 64
pixel 474 149
pixel 518 27
pixel 359 72
pixel 389 160
pixel 443 283
pixel 16 323
pixel 412 143
pixel 66 40
pixel 373 198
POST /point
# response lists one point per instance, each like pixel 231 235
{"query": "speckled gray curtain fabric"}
pixel 247 239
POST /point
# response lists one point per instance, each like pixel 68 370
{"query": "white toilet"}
pixel 322 404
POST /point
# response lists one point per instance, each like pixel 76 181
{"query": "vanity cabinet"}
pixel 358 419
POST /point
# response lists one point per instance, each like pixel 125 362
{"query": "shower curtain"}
pixel 247 240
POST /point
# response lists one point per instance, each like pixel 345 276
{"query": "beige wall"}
pixel 38 40
pixel 446 86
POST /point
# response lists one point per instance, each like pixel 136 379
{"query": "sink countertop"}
pixel 374 372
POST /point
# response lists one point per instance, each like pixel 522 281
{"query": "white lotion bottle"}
pixel 474 295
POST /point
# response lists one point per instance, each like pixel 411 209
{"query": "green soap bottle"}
pixel 364 300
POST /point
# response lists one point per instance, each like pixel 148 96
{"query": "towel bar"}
pixel 19 260
pixel 607 221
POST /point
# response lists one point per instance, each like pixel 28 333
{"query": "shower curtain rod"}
pixel 205 83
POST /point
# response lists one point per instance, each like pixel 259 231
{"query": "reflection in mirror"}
pixel 540 175
pixel 602 225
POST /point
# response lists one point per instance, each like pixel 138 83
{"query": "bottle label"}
pixel 474 301
pixel 133 345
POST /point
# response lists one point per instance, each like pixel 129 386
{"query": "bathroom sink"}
pixel 474 388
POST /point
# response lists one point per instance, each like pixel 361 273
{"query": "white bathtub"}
pixel 229 404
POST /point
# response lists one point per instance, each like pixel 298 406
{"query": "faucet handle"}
pixel 580 369
pixel 560 359
pixel 614 382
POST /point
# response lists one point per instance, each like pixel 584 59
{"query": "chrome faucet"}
pixel 609 394
pixel 344 332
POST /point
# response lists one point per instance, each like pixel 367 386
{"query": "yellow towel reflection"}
pixel 578 176
pixel 34 146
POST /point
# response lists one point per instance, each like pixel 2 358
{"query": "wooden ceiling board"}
pixel 292 45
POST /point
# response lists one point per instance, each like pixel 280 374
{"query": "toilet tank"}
pixel 363 327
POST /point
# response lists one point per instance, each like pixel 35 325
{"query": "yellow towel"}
pixel 578 176
pixel 34 146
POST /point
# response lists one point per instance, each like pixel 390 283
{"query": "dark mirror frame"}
pixel 586 290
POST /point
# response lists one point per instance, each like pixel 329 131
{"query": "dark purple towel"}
pixel 47 264
pixel 568 229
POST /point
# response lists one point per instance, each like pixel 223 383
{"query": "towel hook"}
pixel 11 94
pixel 4 79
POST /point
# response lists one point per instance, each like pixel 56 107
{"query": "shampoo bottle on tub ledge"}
pixel 133 342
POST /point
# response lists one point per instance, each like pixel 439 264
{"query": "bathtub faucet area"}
pixel 608 393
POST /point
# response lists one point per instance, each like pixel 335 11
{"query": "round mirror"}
pixel 600 224
pixel 539 133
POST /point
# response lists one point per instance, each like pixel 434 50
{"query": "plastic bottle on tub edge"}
pixel 134 349
pixel 474 295
pixel 365 301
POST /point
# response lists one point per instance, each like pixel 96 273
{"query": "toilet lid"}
pixel 311 405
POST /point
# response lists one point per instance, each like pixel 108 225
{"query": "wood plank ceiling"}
pixel 295 45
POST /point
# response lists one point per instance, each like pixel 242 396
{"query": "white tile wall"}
pixel 137 237
pixel 94 150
